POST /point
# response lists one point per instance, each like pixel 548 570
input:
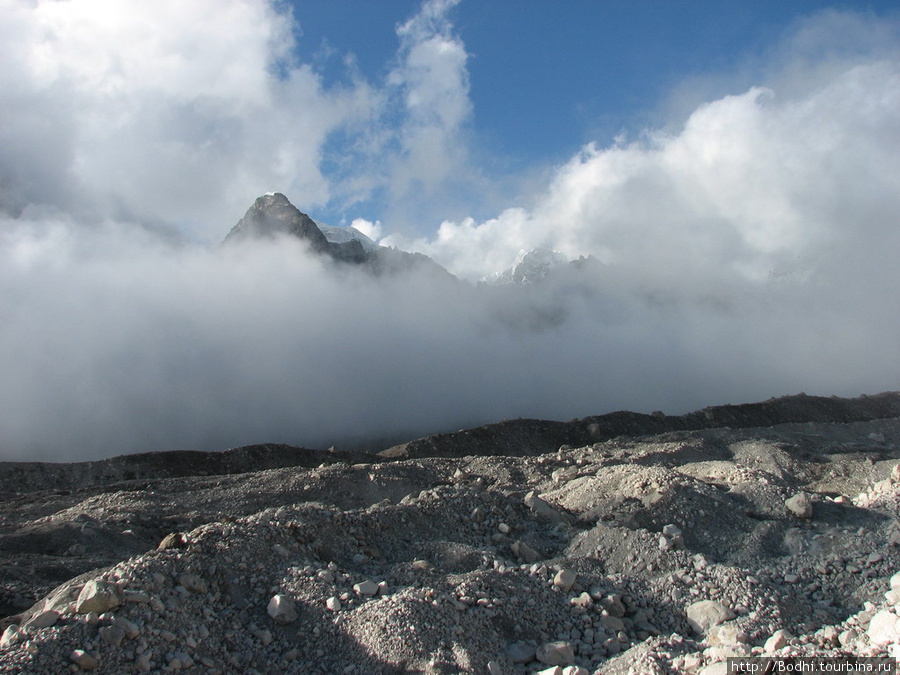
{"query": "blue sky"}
pixel 548 77
pixel 731 167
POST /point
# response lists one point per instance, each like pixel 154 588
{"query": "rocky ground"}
pixel 663 548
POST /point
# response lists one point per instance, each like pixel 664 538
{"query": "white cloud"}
pixel 431 163
pixel 372 230
pixel 751 183
pixel 168 112
pixel 115 341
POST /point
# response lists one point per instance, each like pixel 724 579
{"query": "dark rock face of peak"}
pixel 272 215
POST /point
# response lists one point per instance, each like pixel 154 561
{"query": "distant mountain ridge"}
pixel 532 437
pixel 519 437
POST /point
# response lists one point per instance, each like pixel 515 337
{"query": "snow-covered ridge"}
pixel 341 235
pixel 530 266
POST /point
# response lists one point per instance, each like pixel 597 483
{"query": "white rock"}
pixel 895 582
pixel 564 579
pixel 575 670
pixel 552 670
pixel 564 474
pixel 671 530
pixel 83 660
pixel 778 640
pixel 282 609
pixel 882 485
pixel 494 668
pixel 367 588
pixel 556 653
pixel 846 638
pixel 884 628
pixel 726 634
pixel 704 614
pixel 43 619
pixel 98 596
pixel 691 661
pixel 333 603
pixel 800 505
pixel 10 636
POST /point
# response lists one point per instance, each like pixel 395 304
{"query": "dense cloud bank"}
pixel 115 341
pixel 743 251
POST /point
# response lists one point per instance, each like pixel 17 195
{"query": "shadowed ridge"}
pixel 533 437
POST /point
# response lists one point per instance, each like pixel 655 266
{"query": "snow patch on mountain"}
pixel 529 266
pixel 342 235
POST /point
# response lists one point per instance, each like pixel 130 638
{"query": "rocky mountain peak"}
pixel 273 214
